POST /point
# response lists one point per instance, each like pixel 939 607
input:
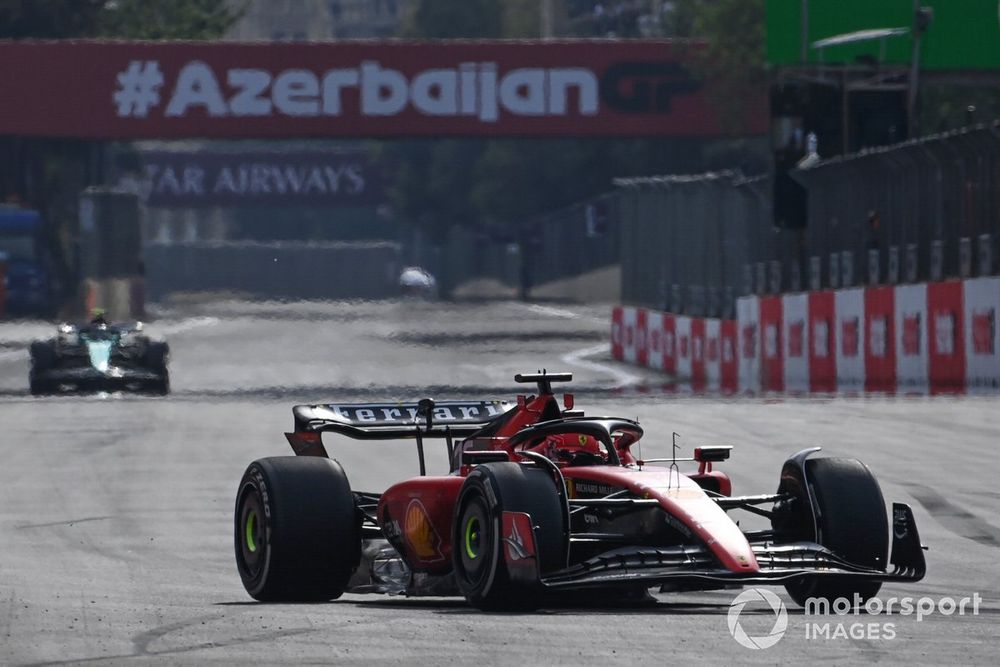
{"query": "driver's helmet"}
pixel 572 448
pixel 97 320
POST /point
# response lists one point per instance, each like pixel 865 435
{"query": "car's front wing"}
pixel 695 566
pixel 89 378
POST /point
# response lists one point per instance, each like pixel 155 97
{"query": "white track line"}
pixel 577 358
pixel 186 325
pixel 550 311
pixel 622 378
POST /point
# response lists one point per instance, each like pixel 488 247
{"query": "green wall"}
pixel 963 35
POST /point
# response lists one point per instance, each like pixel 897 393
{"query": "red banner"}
pixel 946 348
pixel 880 349
pixel 772 366
pixel 617 333
pixel 642 337
pixel 822 342
pixel 355 89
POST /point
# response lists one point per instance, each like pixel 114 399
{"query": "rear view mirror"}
pixel 712 453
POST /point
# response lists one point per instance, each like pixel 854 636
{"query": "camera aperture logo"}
pixel 755 610
pixel 765 608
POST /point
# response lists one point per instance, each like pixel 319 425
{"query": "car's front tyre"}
pixel 851 521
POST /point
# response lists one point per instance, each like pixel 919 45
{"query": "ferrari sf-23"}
pixel 98 356
pixel 543 499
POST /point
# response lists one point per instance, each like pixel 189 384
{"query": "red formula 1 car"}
pixel 542 498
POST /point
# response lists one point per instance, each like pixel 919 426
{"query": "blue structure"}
pixel 29 278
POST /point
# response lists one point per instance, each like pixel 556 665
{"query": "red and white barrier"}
pixel 821 355
pixel 794 320
pixel 713 356
pixel 701 352
pixel 910 310
pixel 669 335
pixel 682 337
pixel 618 332
pixel 981 310
pixel 946 358
pixel 847 345
pixel 729 359
pixel 772 367
pixel 748 325
pixel 628 335
pixel 937 337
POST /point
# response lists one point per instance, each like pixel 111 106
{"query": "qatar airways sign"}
pixel 356 89
pixel 252 178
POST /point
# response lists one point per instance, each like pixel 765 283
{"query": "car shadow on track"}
pixel 561 607
pixel 651 606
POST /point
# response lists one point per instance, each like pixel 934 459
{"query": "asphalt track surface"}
pixel 115 511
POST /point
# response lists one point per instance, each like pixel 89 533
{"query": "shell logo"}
pixel 420 534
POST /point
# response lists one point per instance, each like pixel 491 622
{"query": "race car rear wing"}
pixel 391 421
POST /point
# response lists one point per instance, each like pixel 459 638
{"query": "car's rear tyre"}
pixel 43 357
pixel 297 529
pixel 851 522
pixel 160 387
pixel 156 356
pixel 39 387
pixel 155 359
pixel 478 555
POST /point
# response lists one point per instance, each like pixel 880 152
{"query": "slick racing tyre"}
pixel 43 357
pixel 156 356
pixel 297 529
pixel 160 387
pixel 39 387
pixel 851 522
pixel 478 547
pixel 155 359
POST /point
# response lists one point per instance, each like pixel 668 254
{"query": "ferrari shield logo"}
pixel 420 534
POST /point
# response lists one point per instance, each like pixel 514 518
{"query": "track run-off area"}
pixel 116 511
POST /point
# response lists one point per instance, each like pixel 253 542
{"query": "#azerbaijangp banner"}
pixel 577 88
